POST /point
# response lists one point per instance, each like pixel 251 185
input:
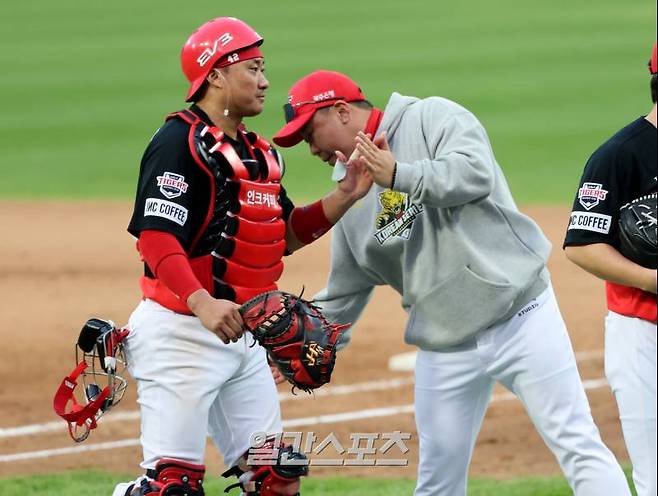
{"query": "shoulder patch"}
pixel 591 194
pixel 590 221
pixel 165 209
pixel 172 185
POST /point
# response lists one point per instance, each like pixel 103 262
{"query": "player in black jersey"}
pixel 213 223
pixel 621 170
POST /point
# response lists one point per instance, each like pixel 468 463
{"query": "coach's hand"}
pixel 221 317
pixel 377 158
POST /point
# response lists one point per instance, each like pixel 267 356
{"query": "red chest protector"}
pixel 247 260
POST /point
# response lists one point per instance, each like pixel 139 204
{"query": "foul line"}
pixel 385 384
pixel 299 422
pixel 55 426
pixel 406 362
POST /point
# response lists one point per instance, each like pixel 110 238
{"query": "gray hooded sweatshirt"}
pixel 448 236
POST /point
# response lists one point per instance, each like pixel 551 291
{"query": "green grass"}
pixel 86 483
pixel 85 84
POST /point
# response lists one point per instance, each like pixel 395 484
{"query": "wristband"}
pixel 395 170
pixel 309 223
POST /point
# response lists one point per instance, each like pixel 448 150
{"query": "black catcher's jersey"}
pixel 173 192
pixel 622 169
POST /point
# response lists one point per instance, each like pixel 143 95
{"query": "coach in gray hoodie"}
pixel 439 225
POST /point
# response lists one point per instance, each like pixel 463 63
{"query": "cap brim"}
pixel 289 135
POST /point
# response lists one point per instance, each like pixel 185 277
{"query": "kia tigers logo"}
pixel 591 194
pixel 209 52
pixel 172 185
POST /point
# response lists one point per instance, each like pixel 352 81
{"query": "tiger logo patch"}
pixel 397 216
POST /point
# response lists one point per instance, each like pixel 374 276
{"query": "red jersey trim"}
pixel 374 120
pixel 632 302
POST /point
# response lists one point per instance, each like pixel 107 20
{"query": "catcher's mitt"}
pixel 637 231
pixel 297 337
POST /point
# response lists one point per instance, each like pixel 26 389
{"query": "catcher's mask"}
pixel 101 362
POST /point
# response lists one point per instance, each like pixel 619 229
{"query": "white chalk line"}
pixel 406 362
pixel 298 422
pixel 59 425
pixel 380 385
pixel 326 391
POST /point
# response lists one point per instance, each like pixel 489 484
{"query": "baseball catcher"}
pixel 637 231
pixel 297 337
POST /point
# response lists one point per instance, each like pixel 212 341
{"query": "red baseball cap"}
pixel 312 92
pixel 653 63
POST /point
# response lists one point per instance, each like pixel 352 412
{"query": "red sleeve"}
pixel 309 222
pixel 168 261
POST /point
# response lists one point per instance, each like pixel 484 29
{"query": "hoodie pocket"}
pixel 457 309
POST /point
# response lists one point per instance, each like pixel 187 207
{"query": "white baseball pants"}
pixel 531 355
pixel 630 366
pixel 190 384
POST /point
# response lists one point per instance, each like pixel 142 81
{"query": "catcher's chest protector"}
pixel 247 256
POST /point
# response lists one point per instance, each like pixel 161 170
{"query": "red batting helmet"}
pixel 220 38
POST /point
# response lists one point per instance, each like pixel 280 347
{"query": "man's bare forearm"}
pixel 605 262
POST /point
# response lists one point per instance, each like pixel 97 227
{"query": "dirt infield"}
pixel 63 263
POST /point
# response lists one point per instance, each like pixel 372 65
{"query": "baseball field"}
pixel 86 84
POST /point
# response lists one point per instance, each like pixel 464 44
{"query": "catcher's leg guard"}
pixel 277 479
pixel 171 478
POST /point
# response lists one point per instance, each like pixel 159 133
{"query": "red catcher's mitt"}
pixel 297 337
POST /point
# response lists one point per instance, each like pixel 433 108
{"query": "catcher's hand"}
pixel 637 231
pixel 298 339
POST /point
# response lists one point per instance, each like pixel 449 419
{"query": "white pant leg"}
pixel 247 403
pixel 630 366
pixel 180 367
pixel 121 488
pixel 534 359
pixel 451 399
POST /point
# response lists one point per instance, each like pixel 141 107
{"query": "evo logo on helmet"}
pixel 165 209
pixel 209 52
